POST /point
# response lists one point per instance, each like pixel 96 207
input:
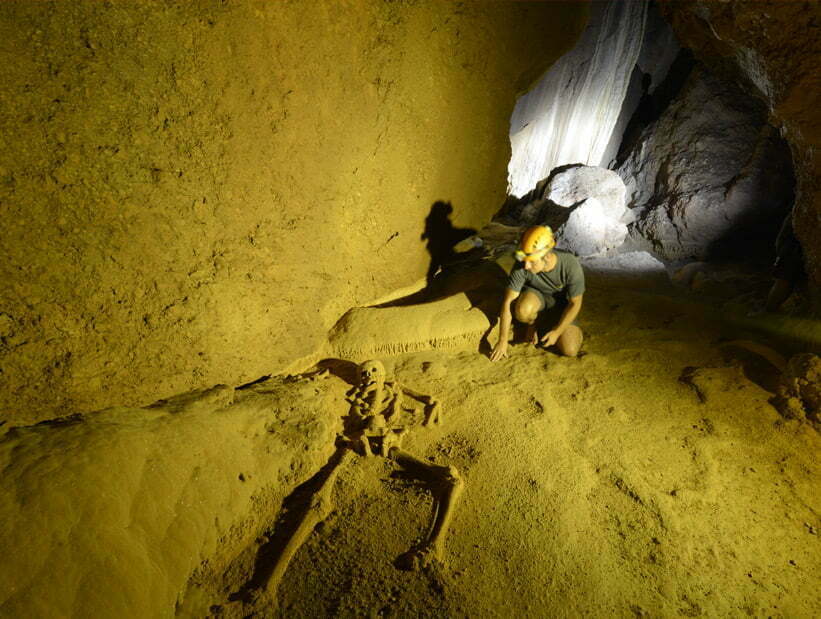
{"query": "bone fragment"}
pixel 365 446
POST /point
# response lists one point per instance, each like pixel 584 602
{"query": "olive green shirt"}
pixel 567 276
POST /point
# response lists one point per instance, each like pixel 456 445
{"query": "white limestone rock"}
pixel 578 183
pixel 569 116
pixel 589 230
pixel 659 50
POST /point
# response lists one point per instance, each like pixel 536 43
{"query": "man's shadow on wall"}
pixel 442 236
pixel 451 272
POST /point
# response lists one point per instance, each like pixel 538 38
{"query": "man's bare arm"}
pixel 505 320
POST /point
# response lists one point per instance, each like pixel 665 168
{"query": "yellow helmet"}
pixel 535 243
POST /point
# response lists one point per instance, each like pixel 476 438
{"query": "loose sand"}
pixel 649 477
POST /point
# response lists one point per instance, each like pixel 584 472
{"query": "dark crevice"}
pixel 652 106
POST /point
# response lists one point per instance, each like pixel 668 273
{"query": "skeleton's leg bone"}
pixel 365 446
pixel 318 509
pixel 446 485
pixel 433 413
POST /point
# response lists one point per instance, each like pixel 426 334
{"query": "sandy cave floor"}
pixel 649 477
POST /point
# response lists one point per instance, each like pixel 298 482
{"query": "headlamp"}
pixel 523 256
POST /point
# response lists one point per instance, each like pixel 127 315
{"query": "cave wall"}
pixel 708 179
pixel 771 48
pixel 193 193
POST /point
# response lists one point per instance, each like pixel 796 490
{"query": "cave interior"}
pixel 234 230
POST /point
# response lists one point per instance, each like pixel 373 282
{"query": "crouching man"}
pixel 547 286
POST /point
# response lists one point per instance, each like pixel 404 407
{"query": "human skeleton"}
pixel 373 427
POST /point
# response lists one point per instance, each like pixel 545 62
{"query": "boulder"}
pixel 589 230
pixel 577 183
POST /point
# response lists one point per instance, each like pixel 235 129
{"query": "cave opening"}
pixel 250 327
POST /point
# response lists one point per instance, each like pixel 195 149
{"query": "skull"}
pixel 371 375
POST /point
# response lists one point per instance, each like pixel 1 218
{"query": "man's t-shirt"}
pixel 566 276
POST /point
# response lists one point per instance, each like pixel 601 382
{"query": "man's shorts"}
pixel 551 309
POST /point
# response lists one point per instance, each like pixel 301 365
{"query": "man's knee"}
pixel 570 342
pixel 527 316
pixel 527 308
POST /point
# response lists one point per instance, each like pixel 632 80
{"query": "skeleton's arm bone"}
pixel 433 408
pixel 394 406
pixel 421 397
pixel 433 413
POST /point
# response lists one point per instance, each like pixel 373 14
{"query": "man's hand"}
pixel 549 338
pixel 499 351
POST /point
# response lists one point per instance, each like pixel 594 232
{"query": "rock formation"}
pixel 799 391
pixel 709 171
pixel 570 115
pixel 364 332
pixel 772 47
pixel 109 513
